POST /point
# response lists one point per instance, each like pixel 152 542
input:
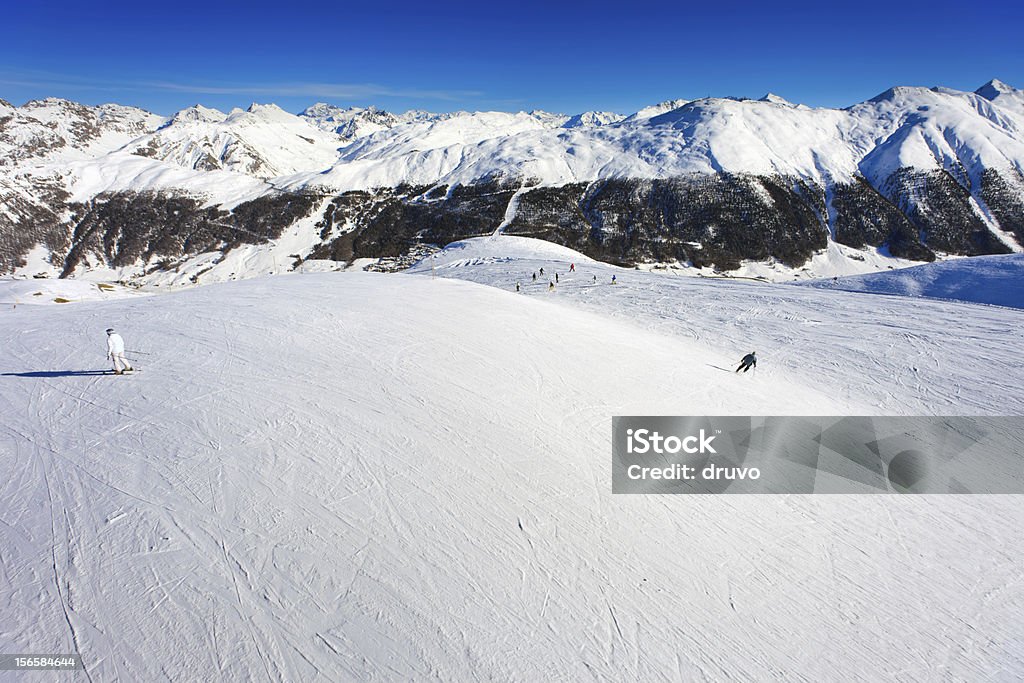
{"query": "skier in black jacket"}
pixel 749 361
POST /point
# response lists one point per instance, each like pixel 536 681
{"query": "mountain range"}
pixel 912 174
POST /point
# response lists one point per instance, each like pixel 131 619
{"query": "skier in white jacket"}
pixel 115 352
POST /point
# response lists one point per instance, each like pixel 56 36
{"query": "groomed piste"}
pixel 359 476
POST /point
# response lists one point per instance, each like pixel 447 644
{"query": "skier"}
pixel 572 267
pixel 115 352
pixel 749 361
pixel 517 286
pixel 613 279
pixel 535 276
pixel 595 279
pixel 541 271
pixel 556 277
pixel 551 286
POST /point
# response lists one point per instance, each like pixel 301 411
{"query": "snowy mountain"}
pixel 592 118
pixel 264 141
pixel 913 174
pixel 902 128
pixel 196 113
pixel 350 476
pixel 656 110
pixel 354 122
pixel 55 129
pixel 775 99
pixel 1002 94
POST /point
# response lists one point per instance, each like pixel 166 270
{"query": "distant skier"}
pixel 556 277
pixel 115 352
pixel 595 279
pixel 541 271
pixel 572 267
pixel 613 280
pixel 749 361
pixel 535 276
pixel 551 286
pixel 517 286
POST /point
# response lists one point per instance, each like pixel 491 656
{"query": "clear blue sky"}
pixel 440 56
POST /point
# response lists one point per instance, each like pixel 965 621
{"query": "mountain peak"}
pixel 51 102
pixel 994 88
pixel 317 108
pixel 270 113
pixel 270 108
pixel 198 112
pixel 1002 95
pixel 592 118
pixel 350 122
pixel 657 109
pixel 775 99
pixel 899 91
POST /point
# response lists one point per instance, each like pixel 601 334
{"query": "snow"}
pixel 897 355
pixel 593 118
pixel 506 248
pixel 350 123
pixel 1003 95
pixel 18 292
pixel 241 155
pixel 274 257
pixel 277 256
pixel 355 122
pixel 924 129
pixel 56 130
pixel 122 171
pixel 354 476
pixel 776 99
pixel 919 128
pixel 322 266
pixel 835 260
pixel 197 112
pixel 263 141
pixel 994 280
pixel 346 149
pixel 37 262
pixel 656 110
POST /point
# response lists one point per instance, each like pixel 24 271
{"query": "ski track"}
pixel 336 477
pixel 875 350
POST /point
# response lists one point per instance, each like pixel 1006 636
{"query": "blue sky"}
pixel 510 56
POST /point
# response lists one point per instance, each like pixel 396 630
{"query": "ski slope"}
pixel 54 291
pixel 895 355
pixel 356 476
pixel 994 280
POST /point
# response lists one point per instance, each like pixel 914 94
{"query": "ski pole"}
pixel 141 353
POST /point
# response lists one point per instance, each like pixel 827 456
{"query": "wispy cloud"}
pixel 49 80
pixel 333 90
pixel 341 91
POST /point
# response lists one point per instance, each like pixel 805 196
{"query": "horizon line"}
pixel 330 91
